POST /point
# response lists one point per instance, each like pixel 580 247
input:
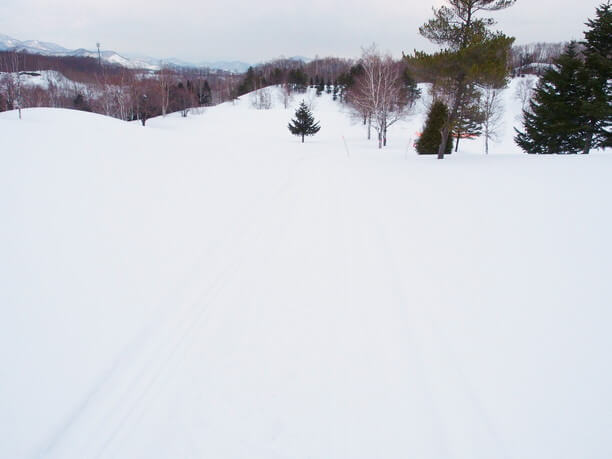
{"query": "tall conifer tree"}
pixel 597 104
pixel 553 122
pixel 571 110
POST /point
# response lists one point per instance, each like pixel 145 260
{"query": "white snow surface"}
pixel 210 287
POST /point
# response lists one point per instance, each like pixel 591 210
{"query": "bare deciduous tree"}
pixel 379 94
pixel 12 82
pixel 524 89
pixel 262 99
pixel 493 114
pixel 164 79
pixel 286 93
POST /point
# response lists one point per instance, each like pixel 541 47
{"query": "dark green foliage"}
pixel 249 82
pixel 431 137
pixel 597 103
pixel 298 79
pixel 205 94
pixel 347 79
pixel 252 81
pixel 455 26
pixel 472 54
pixel 470 118
pixel 571 109
pixel 304 123
pixel 410 85
pixel 320 87
pixel 79 103
pixel 553 122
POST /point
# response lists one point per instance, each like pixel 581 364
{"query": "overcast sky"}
pixel 256 30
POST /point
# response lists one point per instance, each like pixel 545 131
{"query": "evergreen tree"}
pixel 597 103
pixel 431 137
pixel 304 123
pixel 249 82
pixel 470 118
pixel 571 110
pixel 298 79
pixel 553 123
pixel 472 54
pixel 205 94
pixel 320 87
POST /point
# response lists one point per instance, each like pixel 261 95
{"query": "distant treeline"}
pixel 132 94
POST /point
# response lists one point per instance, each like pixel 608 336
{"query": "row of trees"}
pixel 569 112
pixel 28 80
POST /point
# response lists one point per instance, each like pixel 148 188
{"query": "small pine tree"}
pixel 304 123
pixel 553 121
pixel 431 137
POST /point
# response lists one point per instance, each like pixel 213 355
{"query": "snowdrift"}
pixel 210 287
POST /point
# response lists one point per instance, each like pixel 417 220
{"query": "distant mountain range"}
pixel 133 61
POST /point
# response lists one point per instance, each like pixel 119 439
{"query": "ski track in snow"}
pixel 156 349
pixel 300 300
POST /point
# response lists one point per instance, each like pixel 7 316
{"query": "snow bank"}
pixel 211 287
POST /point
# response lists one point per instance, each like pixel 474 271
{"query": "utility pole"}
pixel 99 54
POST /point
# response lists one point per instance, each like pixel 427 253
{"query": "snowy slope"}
pixel 211 287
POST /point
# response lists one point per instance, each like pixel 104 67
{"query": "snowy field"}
pixel 210 287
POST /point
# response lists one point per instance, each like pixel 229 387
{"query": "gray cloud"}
pixel 258 30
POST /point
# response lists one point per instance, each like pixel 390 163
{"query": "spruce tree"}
pixel 431 137
pixel 571 111
pixel 553 122
pixel 304 123
pixel 596 106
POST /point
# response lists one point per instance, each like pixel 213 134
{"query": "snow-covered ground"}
pixel 211 287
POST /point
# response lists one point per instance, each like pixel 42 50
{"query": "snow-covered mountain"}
pixel 52 49
pixel 133 61
pixel 40 47
pixel 129 61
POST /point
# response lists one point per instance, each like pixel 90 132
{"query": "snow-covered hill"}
pixel 211 287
